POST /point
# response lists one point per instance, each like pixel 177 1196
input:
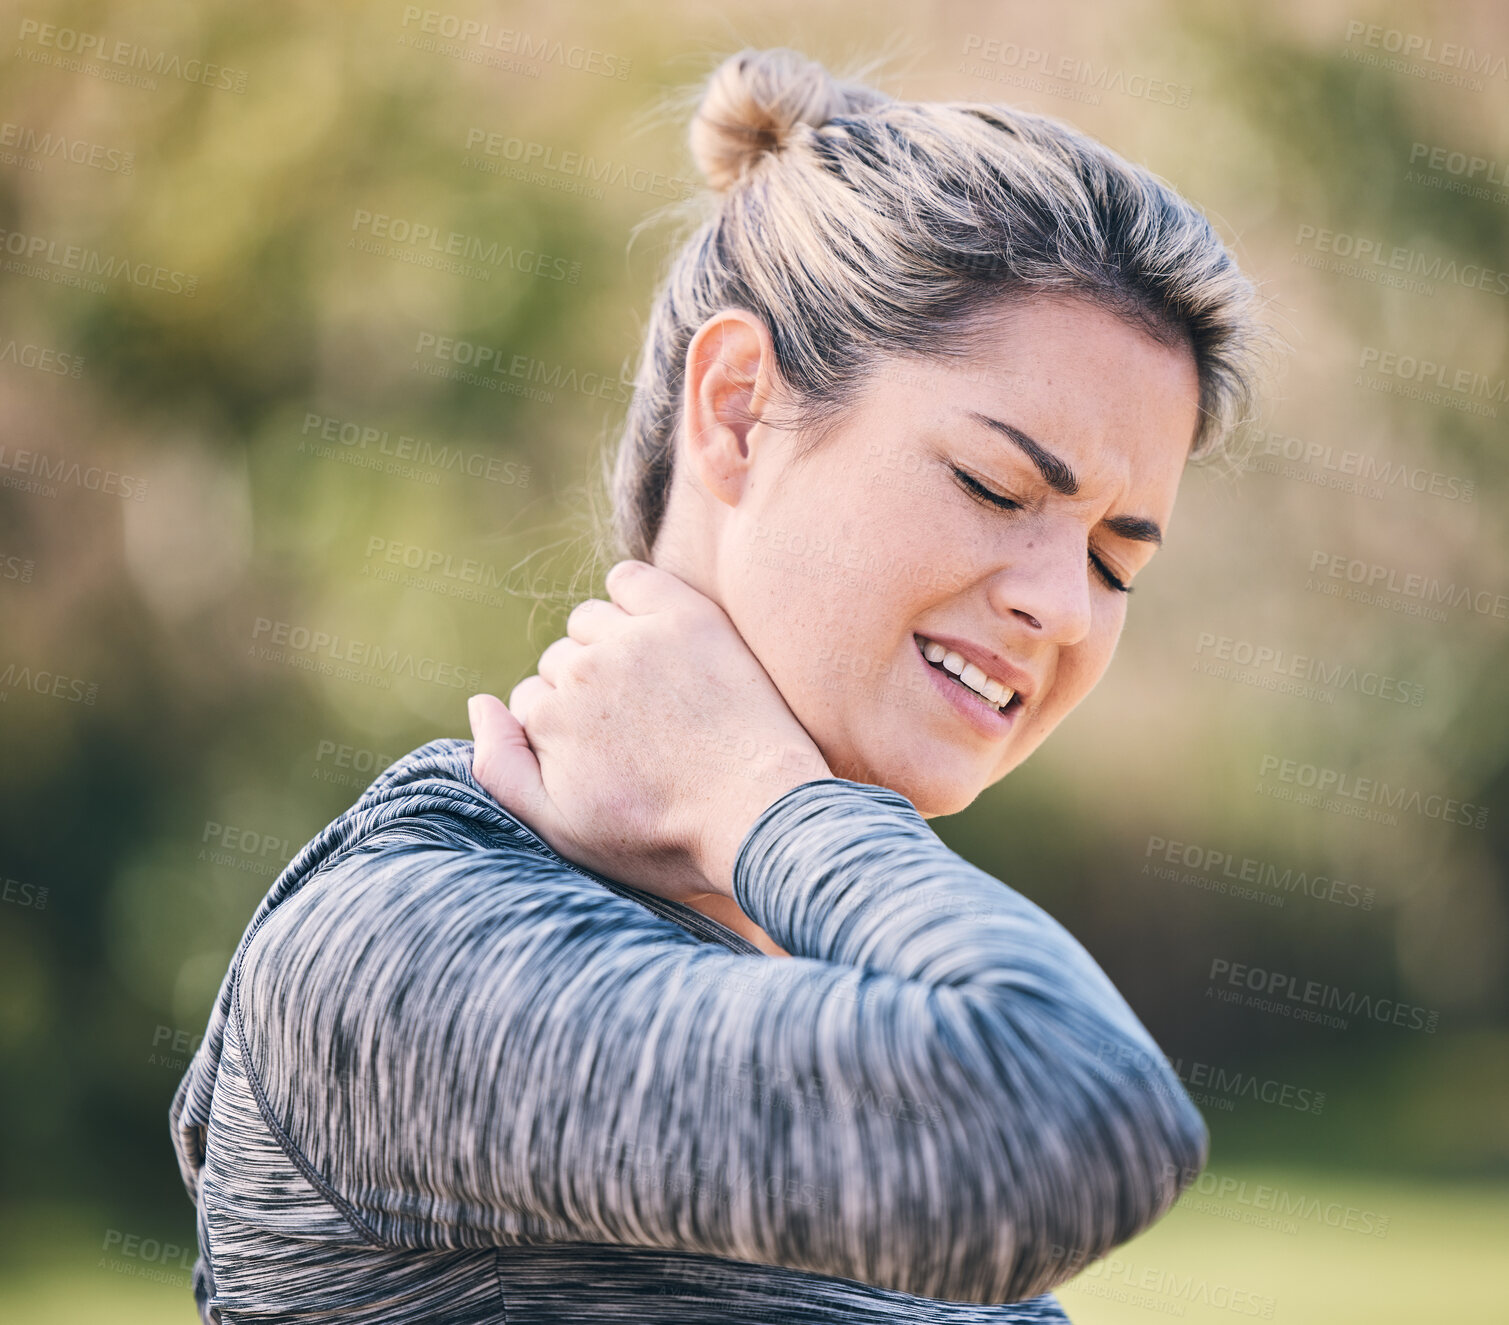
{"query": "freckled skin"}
pixel 903 548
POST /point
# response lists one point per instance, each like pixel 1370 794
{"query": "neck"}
pixel 727 913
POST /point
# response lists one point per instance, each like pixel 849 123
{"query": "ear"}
pixel 730 374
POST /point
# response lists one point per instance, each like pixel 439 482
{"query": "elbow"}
pixel 1161 1141
pixel 1192 1148
pixel 1125 1154
pixel 1161 1144
pixel 1172 1146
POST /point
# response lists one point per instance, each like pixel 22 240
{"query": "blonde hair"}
pixel 857 226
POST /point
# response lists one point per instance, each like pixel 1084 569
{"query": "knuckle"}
pixel 570 662
pixel 583 609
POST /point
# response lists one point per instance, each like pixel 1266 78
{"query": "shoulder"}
pixel 413 944
pixel 433 784
pixel 422 840
pixel 432 877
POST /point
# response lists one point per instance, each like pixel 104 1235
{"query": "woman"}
pixel 660 1001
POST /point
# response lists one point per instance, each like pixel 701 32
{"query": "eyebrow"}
pixel 1058 476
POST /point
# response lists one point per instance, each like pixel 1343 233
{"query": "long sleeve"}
pixel 939 1093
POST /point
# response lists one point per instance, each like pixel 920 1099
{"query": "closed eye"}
pixel 981 493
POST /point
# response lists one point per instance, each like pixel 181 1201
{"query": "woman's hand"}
pixel 648 743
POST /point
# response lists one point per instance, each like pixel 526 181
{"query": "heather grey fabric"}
pixel 451 1077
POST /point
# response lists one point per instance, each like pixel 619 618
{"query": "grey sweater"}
pixel 451 1077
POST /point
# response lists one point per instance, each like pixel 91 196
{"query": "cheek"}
pixel 1080 667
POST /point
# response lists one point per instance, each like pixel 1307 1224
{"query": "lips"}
pixel 988 688
pixel 987 660
pixel 987 720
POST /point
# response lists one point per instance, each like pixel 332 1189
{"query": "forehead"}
pixel 1091 387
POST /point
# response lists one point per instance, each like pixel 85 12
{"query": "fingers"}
pixel 592 619
pixel 503 762
pixel 638 587
pixel 553 662
pixel 498 740
pixel 492 724
pixel 522 697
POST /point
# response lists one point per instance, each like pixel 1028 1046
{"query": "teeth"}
pixel 986 686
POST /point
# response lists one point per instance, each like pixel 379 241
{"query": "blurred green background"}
pixel 252 416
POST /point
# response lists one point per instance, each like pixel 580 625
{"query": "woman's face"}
pixel 990 507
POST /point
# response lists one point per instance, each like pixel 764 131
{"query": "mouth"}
pixel 971 690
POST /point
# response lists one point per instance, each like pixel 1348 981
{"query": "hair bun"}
pixel 752 102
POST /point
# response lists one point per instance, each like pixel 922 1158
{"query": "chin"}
pixel 935 789
pixel 937 797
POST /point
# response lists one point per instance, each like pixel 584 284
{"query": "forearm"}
pixel 1037 1056
pixel 480 1049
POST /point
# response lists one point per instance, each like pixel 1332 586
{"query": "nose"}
pixel 1046 586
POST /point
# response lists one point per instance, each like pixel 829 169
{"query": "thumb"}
pixel 503 762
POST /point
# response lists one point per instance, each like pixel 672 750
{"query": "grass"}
pixel 1213 1258
pixel 1292 1246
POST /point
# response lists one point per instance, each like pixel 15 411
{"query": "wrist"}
pixel 742 802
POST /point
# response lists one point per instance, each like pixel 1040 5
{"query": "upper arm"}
pixel 480 1047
